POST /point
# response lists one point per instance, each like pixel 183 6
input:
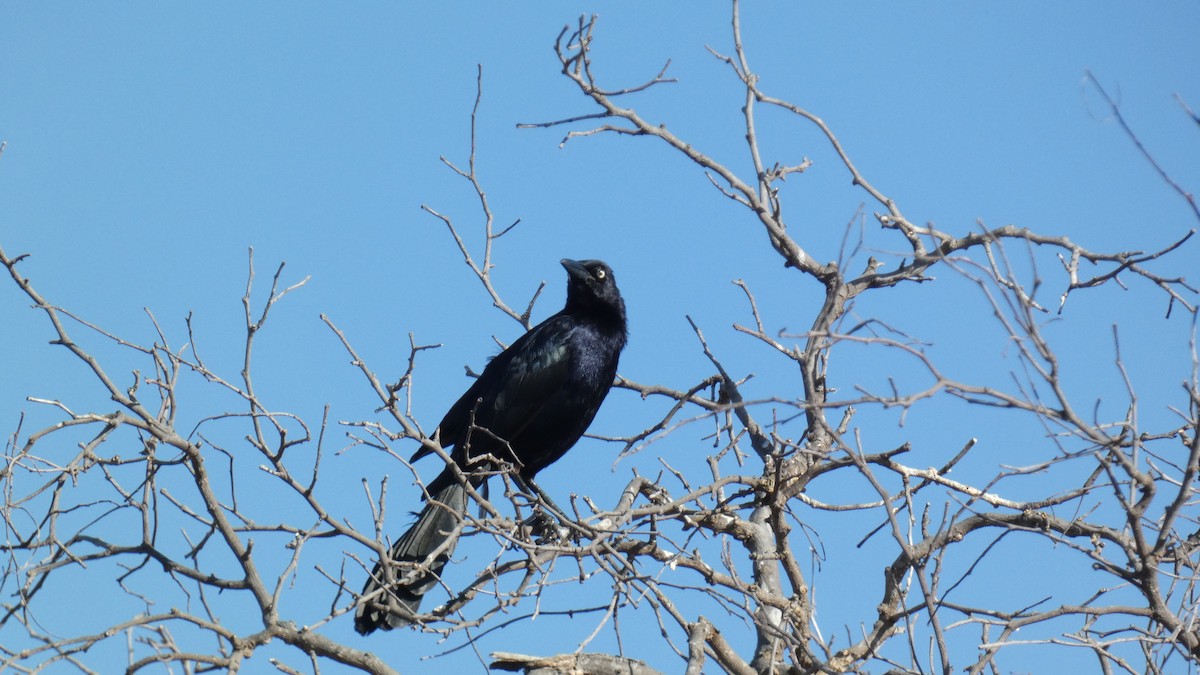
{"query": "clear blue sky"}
pixel 149 145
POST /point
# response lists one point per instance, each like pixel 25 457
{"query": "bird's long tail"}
pixel 393 592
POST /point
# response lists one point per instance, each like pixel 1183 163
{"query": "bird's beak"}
pixel 575 269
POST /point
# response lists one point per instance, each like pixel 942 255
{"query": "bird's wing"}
pixel 514 386
pixel 532 378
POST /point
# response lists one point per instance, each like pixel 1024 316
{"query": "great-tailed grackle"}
pixel 528 407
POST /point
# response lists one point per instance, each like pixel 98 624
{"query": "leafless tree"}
pixel 151 513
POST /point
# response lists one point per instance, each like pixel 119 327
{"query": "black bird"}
pixel 529 406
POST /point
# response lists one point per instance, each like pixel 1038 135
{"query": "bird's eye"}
pixel 600 274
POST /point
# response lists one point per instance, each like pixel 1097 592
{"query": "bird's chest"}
pixel 592 363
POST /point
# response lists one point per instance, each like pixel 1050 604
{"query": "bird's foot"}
pixel 542 528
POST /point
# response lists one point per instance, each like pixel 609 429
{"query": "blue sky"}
pixel 150 145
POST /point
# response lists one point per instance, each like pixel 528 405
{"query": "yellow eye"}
pixel 600 274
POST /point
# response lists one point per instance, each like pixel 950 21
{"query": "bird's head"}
pixel 592 289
